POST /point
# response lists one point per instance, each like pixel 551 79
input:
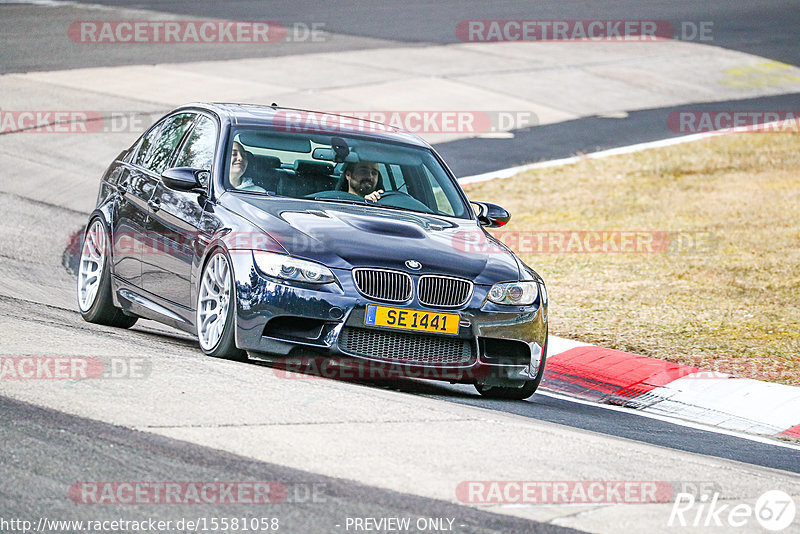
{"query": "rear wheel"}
pixel 512 393
pixel 94 280
pixel 216 303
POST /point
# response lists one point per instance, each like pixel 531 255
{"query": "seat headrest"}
pixel 313 167
pixel 269 162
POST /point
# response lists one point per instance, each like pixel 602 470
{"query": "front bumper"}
pixel 495 345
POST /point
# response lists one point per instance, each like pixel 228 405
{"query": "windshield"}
pixel 341 169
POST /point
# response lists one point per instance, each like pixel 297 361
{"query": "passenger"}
pixel 239 164
pixel 362 180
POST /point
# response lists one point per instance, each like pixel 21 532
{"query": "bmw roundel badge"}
pixel 414 265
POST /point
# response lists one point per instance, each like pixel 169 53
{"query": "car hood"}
pixel 346 236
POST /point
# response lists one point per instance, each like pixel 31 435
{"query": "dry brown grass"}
pixel 731 306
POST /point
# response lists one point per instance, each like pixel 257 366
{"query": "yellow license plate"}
pixel 423 321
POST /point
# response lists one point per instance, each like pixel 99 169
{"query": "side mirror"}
pixel 185 178
pixel 491 215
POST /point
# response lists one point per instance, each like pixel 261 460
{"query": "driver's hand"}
pixel 374 196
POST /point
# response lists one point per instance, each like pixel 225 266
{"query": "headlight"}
pixel 514 293
pixel 288 268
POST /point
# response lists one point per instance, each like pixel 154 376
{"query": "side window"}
pixel 442 202
pixel 396 178
pixel 157 154
pixel 198 151
pixel 146 145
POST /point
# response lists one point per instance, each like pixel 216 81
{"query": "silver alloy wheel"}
pixel 213 301
pixel 93 261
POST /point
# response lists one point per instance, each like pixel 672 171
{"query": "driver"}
pixel 362 179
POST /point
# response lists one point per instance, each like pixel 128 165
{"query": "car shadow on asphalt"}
pixel 175 336
pixel 314 368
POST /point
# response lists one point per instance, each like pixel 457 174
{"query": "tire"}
pixel 215 330
pixel 511 393
pixel 95 301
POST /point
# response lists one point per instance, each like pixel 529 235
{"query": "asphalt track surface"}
pixel 768 28
pixel 45 451
pixel 586 135
pixel 619 423
pixel 771 29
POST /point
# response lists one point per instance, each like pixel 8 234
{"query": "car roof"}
pixel 255 115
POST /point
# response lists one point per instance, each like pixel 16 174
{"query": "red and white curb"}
pixel 660 387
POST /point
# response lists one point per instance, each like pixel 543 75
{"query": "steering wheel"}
pixel 403 200
pixel 394 194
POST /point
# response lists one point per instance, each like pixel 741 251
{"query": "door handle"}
pixel 154 203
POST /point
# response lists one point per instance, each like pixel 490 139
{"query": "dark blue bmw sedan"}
pixel 278 234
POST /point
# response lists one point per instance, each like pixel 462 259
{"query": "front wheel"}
pixel 94 280
pixel 501 392
pixel 511 393
pixel 216 303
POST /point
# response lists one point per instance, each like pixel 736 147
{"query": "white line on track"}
pixel 697 426
pixel 511 171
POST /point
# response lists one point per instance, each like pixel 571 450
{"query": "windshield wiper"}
pixel 372 204
pixel 390 207
pixel 258 193
pixel 337 200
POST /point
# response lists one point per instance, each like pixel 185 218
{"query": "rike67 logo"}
pixel 774 510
